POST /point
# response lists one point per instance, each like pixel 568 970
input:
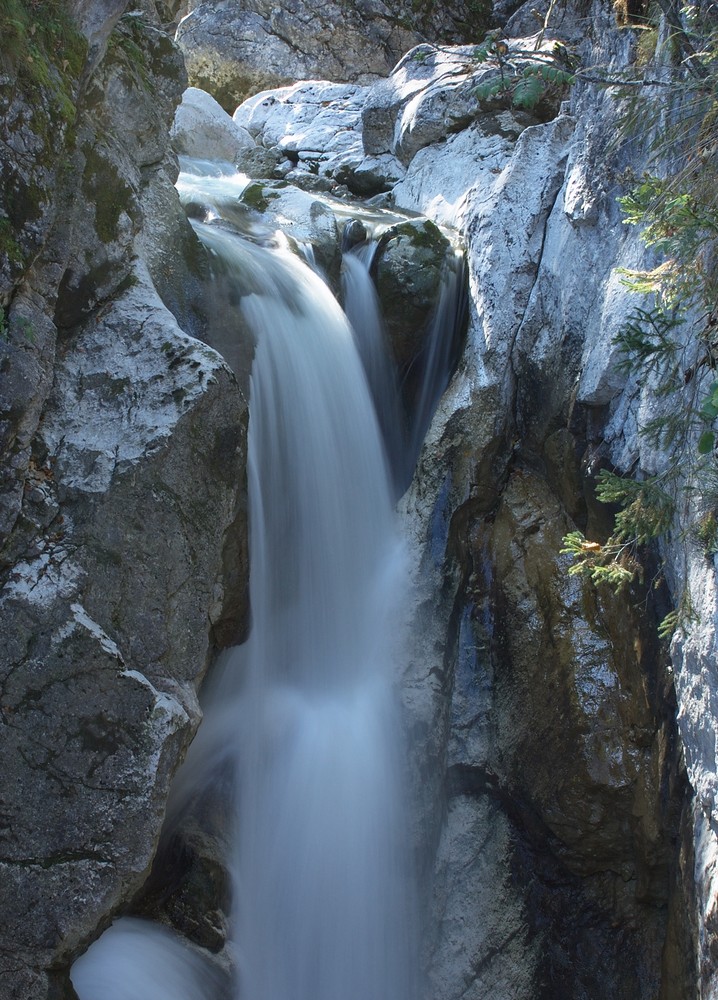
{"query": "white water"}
pixel 135 960
pixel 305 711
pixel 363 310
pixel 323 898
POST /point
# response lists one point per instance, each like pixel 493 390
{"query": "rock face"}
pixel 123 448
pixel 559 735
pixel 234 50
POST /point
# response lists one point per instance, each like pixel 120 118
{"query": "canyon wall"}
pixel 123 445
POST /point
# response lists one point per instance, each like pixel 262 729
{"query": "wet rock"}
pixel 408 266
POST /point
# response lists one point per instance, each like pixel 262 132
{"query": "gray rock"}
pixel 235 50
pixel 372 175
pixel 122 513
pixel 202 129
pixel 96 20
pixel 107 621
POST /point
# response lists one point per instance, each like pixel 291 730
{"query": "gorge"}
pixel 527 787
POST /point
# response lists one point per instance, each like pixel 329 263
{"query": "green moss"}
pixel 107 190
pixel 40 44
pixel 145 54
pixel 707 533
pixel 8 244
pixel 125 46
pixel 257 197
pixel 423 235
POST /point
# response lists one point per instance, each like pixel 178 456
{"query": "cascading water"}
pixel 404 435
pixel 363 310
pixel 304 713
pixel 322 903
pixel 439 355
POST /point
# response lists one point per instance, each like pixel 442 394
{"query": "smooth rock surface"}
pixel 202 129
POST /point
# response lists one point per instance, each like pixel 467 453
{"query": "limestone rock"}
pixel 35 124
pixel 112 585
pixel 125 458
pixel 96 20
pixel 202 129
pixel 235 50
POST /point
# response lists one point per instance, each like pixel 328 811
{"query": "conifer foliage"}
pixel 672 344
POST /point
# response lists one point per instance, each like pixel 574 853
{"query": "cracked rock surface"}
pixel 122 529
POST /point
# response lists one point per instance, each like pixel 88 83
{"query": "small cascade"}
pixel 404 421
pixel 363 310
pixel 438 358
pixel 323 895
pixel 139 960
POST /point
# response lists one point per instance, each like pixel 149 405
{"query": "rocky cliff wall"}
pixel 121 527
pixel 570 833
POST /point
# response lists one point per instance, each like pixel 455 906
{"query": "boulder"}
pixel 314 127
pixel 408 268
pixel 203 130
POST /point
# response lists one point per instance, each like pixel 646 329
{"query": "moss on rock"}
pixel 108 191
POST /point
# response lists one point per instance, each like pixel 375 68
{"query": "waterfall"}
pixel 404 433
pixel 440 353
pixel 304 713
pixel 320 907
pixel 363 310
